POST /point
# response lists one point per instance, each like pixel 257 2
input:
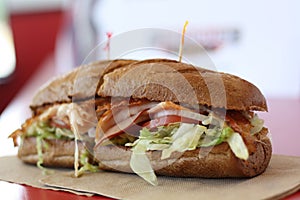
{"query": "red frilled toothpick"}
pixel 107 46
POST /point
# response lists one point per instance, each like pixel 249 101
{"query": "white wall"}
pixel 266 54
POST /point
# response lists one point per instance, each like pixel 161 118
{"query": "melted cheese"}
pixel 74 119
pixel 76 114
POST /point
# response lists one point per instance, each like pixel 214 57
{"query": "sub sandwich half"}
pixel 63 116
pixel 151 117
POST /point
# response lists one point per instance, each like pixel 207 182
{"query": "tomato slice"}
pixel 165 120
pixel 59 124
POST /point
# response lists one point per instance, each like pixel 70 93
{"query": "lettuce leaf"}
pixel 140 163
pixel 185 138
pixel 238 146
pixel 257 124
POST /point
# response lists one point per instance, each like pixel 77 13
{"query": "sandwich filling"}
pixel 168 127
pixel 68 121
pixel 143 126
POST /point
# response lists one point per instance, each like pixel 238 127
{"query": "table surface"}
pixel 281 119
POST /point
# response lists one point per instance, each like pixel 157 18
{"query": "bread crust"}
pixel 59 153
pixel 78 84
pixel 155 80
pixel 216 162
pixel 168 80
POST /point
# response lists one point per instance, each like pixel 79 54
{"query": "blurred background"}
pixel 257 40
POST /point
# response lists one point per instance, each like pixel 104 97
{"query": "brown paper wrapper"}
pixel 281 178
pixel 15 171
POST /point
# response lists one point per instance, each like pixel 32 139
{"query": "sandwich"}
pixel 57 133
pixel 150 117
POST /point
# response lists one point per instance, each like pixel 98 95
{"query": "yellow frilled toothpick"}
pixel 182 40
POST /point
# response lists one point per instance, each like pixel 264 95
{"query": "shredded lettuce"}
pixel 86 165
pixel 40 143
pixel 39 147
pixel 185 138
pixel 215 136
pixel 180 137
pixel 41 130
pixel 44 130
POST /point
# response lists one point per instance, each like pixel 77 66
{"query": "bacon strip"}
pixel 122 117
pixel 239 123
pixel 21 131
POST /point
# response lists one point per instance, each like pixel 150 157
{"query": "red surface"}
pixel 12 191
pixel 34 36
